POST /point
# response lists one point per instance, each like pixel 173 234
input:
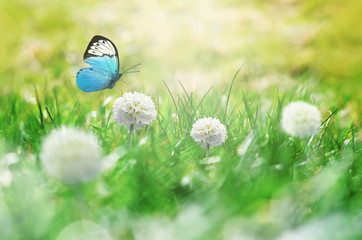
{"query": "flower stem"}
pixel 207 149
pixel 130 136
pixel 81 201
pixel 309 150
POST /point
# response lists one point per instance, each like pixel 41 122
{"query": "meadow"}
pixel 239 62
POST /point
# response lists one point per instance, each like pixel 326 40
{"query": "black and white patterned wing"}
pixel 102 53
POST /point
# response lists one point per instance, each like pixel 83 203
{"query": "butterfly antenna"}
pixel 131 68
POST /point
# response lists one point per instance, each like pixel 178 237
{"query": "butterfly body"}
pixel 102 55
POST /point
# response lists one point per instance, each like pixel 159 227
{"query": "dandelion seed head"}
pixel 208 131
pixel 134 108
pixel 301 119
pixel 71 155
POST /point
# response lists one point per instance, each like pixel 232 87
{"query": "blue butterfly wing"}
pixel 106 63
pixel 92 79
pixel 102 54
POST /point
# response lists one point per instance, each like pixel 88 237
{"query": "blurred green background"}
pixel 201 43
pixel 290 50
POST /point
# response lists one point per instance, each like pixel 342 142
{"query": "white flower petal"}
pixel 71 155
pixel 134 108
pixel 209 130
pixel 301 119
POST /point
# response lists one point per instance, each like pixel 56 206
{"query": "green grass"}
pixel 190 54
pixel 277 184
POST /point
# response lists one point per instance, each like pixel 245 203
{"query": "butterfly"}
pixel 102 55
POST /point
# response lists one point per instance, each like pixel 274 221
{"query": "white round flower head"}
pixel 134 108
pixel 301 119
pixel 71 155
pixel 208 131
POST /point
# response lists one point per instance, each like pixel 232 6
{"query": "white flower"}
pixel 10 158
pixel 71 155
pixel 186 180
pixel 134 108
pixel 6 177
pixel 301 119
pixel 208 131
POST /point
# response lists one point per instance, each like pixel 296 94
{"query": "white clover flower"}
pixel 301 119
pixel 134 108
pixel 208 131
pixel 71 155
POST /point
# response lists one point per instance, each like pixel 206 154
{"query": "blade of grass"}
pixel 189 97
pixel 249 113
pixel 231 86
pixel 50 116
pixel 39 108
pixel 327 120
pixel 97 128
pixel 202 99
pixel 173 99
pixel 186 111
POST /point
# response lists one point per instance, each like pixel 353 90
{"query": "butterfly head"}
pixel 115 80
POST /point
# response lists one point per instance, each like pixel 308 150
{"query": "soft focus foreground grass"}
pixel 277 183
pixel 292 50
